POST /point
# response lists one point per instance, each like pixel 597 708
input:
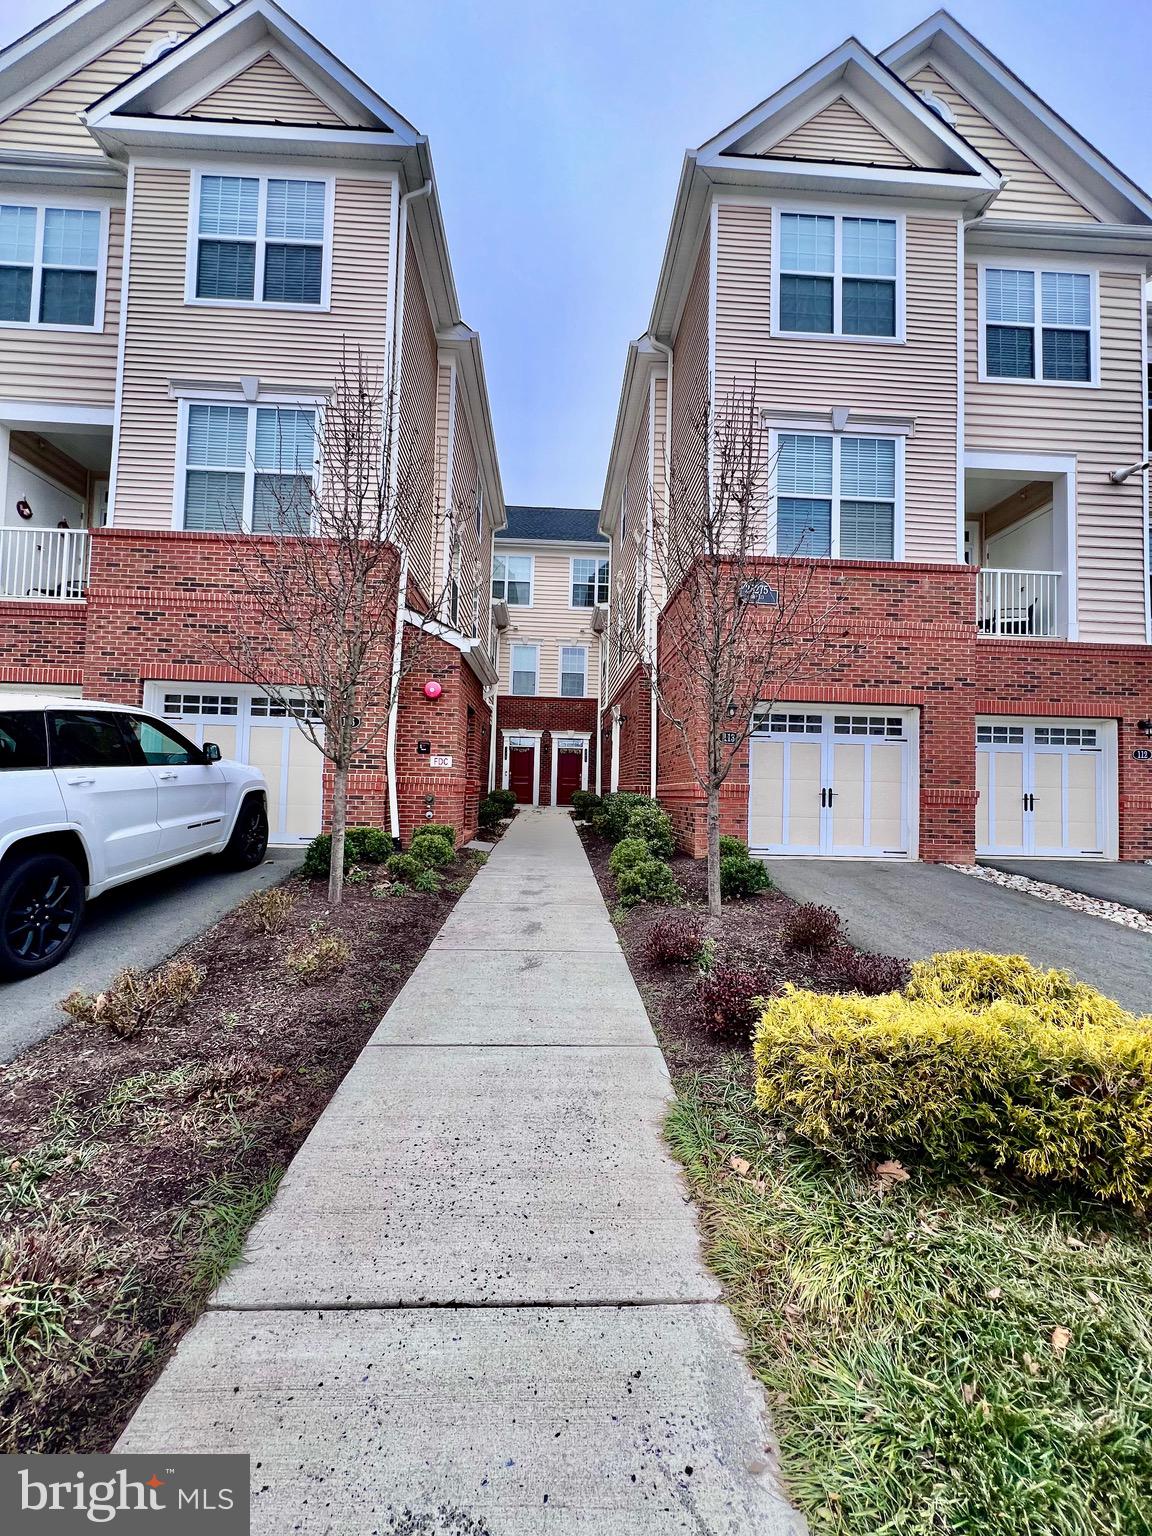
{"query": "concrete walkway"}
pixel 477 1304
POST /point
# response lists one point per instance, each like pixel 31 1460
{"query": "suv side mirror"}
pixel 211 751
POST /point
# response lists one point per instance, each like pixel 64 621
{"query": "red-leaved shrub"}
pixel 812 928
pixel 673 940
pixel 723 1002
pixel 869 974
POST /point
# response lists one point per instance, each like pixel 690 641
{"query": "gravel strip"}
pixel 1091 906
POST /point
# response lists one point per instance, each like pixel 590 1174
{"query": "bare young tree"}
pixel 720 628
pixel 325 587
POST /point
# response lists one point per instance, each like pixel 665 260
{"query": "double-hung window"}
pixel 260 239
pixel 50 265
pixel 1038 325
pixel 525 666
pixel 249 468
pixel 838 275
pixel 589 582
pixel 836 496
pixel 573 671
pixel 512 580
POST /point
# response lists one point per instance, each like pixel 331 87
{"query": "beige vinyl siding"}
pixel 917 378
pixel 49 124
pixel 266 92
pixel 436 584
pixel 1104 428
pixel 167 339
pixel 416 420
pixel 626 553
pixel 1031 193
pixel 551 622
pixel 688 471
pixel 74 366
pixel 840 132
pixel 462 507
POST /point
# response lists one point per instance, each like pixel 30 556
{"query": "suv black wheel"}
pixel 41 909
pixel 249 841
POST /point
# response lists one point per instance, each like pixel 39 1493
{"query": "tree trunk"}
pixel 339 823
pixel 713 850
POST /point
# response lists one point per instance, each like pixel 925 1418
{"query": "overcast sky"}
pixel 558 131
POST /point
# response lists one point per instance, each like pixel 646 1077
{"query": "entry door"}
pixel 569 772
pixel 522 773
pixel 825 782
pixel 1042 789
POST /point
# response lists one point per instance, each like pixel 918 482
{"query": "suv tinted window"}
pixel 161 744
pixel 97 740
pixel 23 742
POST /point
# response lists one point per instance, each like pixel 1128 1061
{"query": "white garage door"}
pixel 833 783
pixel 252 728
pixel 1043 788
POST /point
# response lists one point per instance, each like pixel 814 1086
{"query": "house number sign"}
pixel 729 738
pixel 759 592
pixel 1143 754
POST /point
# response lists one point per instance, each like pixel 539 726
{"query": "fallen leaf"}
pixel 968 1391
pixel 1074 1242
pixel 739 1165
pixel 994 1294
pixel 1061 1338
pixel 892 1172
pixel 1096 1300
pixel 792 1310
pixel 1030 1365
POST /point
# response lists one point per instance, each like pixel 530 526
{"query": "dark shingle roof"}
pixel 575 523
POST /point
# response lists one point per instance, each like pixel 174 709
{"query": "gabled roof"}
pixel 1003 97
pixel 577 525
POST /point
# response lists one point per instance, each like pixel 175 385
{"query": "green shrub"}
pixel 489 813
pixel 732 847
pixel 741 876
pixel 403 867
pixel 1046 1092
pixel 627 853
pixel 654 825
pixel 584 803
pixel 610 818
pixel 426 881
pixel 362 845
pixel 430 850
pixel 437 829
pixel 648 880
pixel 505 799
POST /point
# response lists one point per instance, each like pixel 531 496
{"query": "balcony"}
pixel 1018 603
pixel 44 564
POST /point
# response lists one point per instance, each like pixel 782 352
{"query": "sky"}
pixel 558 131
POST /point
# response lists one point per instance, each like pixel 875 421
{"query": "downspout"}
pixel 667 351
pixel 495 702
pixel 402 578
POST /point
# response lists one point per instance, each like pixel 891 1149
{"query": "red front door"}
pixel 569 771
pixel 521 773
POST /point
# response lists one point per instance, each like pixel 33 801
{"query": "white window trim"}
pixel 897 511
pixel 570 645
pixel 837 275
pixel 1009 263
pixel 501 554
pixel 599 560
pixel 527 645
pixel 66 201
pixel 180 477
pixel 263 174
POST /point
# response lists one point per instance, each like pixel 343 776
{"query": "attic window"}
pixel 161 46
pixel 941 108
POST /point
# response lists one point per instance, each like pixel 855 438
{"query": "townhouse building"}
pixel 203 216
pixel 550 593
pixel 935 288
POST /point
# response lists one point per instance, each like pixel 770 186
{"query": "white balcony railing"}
pixel 1019 603
pixel 43 564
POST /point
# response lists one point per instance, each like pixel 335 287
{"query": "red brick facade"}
pixel 553 716
pixel 905 635
pixel 632 704
pixel 160 606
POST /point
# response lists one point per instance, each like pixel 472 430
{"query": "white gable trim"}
pixel 233 68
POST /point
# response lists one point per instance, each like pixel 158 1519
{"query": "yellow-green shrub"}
pixel 1004 1085
pixel 973 980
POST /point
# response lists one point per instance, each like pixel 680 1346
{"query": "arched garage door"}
pixel 248 725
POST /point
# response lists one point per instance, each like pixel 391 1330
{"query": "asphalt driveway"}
pixel 914 910
pixel 140 924
pixel 1130 884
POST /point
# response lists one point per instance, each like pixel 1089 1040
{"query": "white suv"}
pixel 93 795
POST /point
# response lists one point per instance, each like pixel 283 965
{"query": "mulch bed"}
pixel 746 936
pixel 120 1158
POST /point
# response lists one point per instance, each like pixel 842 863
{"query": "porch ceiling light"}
pixel 1118 476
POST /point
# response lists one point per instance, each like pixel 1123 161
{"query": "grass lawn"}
pixel 957 1355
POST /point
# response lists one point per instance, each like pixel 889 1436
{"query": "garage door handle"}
pixel 78 782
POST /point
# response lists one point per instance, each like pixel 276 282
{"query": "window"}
pixel 525 664
pixel 891 726
pixel 639 609
pixel 589 582
pixel 249 469
pixel 95 739
pixel 836 496
pixel 512 579
pixel 292 706
pixel 160 744
pixel 1000 735
pixel 623 513
pixel 260 237
pixel 573 671
pixel 1066 736
pixel 23 743
pixel 50 265
pixel 214 704
pixel 1038 325
pixel 838 276
pixel 795 725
